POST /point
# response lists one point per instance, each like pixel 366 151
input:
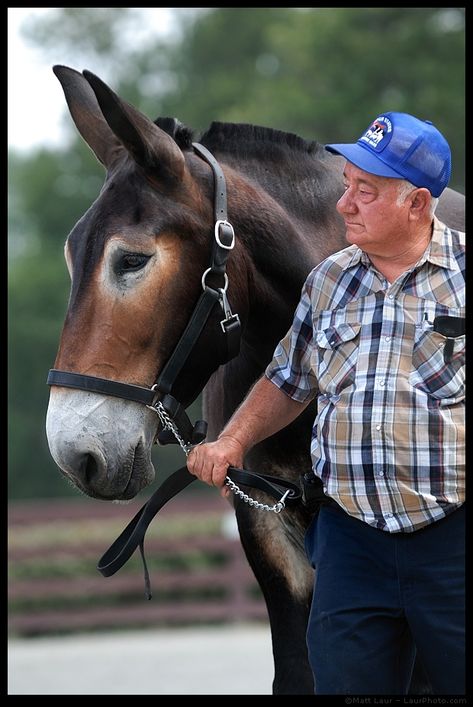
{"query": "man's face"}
pixel 374 219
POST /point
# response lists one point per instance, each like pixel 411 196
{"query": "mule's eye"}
pixel 130 262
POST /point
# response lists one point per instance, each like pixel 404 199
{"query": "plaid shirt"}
pixel 388 438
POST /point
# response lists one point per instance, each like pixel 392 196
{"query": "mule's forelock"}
pixel 181 134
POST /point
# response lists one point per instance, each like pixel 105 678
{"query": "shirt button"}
pixel 382 382
pixel 380 473
pixel 387 338
pixel 391 296
pixel 389 515
pixel 378 427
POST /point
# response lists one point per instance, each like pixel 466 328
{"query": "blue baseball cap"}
pixel 401 146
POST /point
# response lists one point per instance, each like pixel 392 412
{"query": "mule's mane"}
pixel 238 138
pixel 233 137
pixel 290 169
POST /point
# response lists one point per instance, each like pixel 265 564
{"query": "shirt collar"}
pixel 439 251
pixel 358 256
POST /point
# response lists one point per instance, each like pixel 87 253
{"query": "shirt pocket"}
pixel 444 381
pixel 337 354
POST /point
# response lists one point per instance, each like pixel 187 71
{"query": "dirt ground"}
pixel 230 660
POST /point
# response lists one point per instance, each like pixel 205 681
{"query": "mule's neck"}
pixel 278 246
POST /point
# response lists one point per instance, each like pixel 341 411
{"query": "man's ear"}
pixel 419 203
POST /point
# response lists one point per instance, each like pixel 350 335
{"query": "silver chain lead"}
pixel 277 508
pixel 168 424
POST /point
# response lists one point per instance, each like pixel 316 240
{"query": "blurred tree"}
pixel 322 73
pixel 40 215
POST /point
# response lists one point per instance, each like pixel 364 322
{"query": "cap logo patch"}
pixel 377 134
pixel 401 146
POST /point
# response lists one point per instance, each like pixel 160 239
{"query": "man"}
pixel 378 336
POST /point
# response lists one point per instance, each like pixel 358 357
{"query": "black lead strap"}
pixel 134 534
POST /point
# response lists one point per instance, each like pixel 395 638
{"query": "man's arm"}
pixel 264 411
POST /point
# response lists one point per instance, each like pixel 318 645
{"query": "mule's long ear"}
pixel 87 116
pixel 149 146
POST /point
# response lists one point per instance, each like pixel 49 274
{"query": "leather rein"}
pixel 176 425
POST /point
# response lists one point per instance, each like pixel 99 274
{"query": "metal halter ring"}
pixel 221 289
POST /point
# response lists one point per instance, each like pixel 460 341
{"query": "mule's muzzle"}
pixel 90 473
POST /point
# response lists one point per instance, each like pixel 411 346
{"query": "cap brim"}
pixel 365 160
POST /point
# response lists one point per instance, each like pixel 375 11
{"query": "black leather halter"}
pixel 158 397
pixel 224 241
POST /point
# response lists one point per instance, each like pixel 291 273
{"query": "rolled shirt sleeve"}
pixel 291 368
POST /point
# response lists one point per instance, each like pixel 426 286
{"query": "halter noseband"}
pixel 159 393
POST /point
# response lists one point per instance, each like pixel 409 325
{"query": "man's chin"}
pixel 355 234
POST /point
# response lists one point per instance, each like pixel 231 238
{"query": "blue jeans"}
pixel 378 596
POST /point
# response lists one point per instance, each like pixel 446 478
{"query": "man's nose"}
pixel 345 203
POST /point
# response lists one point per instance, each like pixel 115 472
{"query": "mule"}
pixel 136 260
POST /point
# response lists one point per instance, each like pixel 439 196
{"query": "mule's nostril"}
pixel 83 469
pixel 89 474
pixel 90 468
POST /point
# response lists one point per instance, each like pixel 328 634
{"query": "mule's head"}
pixel 136 260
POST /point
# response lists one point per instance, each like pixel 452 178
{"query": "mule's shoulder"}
pixel 451 209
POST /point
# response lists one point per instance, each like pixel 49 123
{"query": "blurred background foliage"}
pixel 322 73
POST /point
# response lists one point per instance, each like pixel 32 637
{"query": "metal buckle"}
pixel 222 222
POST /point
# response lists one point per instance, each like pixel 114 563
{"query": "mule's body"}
pixel 136 260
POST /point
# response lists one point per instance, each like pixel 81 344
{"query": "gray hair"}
pixel 405 188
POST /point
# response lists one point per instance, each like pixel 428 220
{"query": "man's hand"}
pixel 264 411
pixel 209 462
